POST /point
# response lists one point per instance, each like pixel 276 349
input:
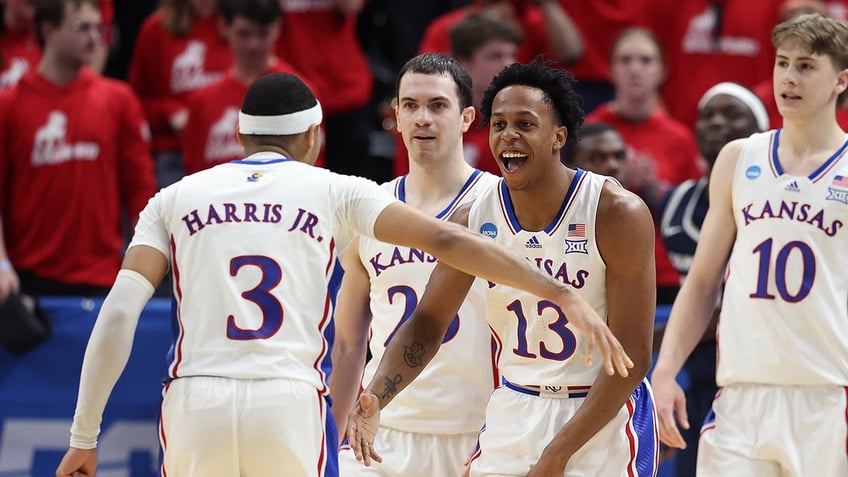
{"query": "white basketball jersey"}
pixel 450 394
pixel 253 247
pixel 537 347
pixel 784 318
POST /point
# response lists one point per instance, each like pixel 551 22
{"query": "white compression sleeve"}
pixel 107 353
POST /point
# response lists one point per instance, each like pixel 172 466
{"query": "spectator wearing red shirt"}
pixel 600 22
pixel 318 39
pixel 19 49
pixel 547 29
pixel 251 28
pixel 178 50
pixel 636 112
pixel 710 41
pixel 74 154
pixel 484 45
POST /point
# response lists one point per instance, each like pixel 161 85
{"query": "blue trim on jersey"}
pixel 817 172
pixel 401 191
pixel 519 389
pixel 331 434
pixel 510 209
pixel 572 189
pixel 330 330
pixel 645 426
pixel 272 161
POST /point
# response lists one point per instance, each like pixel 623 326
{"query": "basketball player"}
pixel 252 245
pixel 775 228
pixel 382 284
pixel 553 415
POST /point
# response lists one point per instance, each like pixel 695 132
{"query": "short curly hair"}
pixel 557 85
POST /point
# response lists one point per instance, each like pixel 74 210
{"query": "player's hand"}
pixel 9 283
pixel 362 425
pixel 549 463
pixel 669 399
pixel 584 318
pixel 78 463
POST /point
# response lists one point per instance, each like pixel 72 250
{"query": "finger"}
pixel 375 456
pixel 590 349
pixel 366 454
pixel 623 363
pixel 682 415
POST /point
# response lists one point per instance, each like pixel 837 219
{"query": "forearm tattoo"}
pixel 391 388
pixel 414 355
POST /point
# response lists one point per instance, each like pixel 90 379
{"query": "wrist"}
pixel 6 265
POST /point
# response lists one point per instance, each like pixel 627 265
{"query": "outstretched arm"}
pixel 474 254
pixel 108 351
pixel 693 309
pixel 563 35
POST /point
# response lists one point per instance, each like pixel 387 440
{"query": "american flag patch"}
pixel 840 181
pixel 576 231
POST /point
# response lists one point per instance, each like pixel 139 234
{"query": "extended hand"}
pixel 362 425
pixel 584 318
pixel 669 399
pixel 78 463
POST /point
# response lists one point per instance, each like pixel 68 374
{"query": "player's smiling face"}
pixel 429 116
pixel 524 134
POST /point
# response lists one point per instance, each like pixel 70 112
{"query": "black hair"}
pixel 262 12
pixel 438 64
pixel 569 152
pixel 556 84
pixel 275 94
pixel 53 12
pixel 477 29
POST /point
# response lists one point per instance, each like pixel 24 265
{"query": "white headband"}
pixel 282 124
pixel 742 94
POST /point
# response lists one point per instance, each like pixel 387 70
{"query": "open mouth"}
pixel 512 160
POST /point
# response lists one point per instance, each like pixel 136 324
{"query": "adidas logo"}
pixel 793 187
pixel 533 243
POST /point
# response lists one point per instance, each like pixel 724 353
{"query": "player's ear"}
pixel 313 143
pixel 468 115
pixel 560 136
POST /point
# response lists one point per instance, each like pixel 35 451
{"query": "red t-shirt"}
pixel 705 46
pixel 437 36
pixel 322 44
pixel 600 22
pixel 72 157
pixel 19 54
pixel 166 68
pixel 210 134
pixel 672 148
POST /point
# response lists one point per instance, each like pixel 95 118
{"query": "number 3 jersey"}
pixel 537 345
pixel 450 394
pixel 784 317
pixel 252 246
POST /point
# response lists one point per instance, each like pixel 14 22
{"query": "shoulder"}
pixel 153 24
pixel 621 213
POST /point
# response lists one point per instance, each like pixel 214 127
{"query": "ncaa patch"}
pixel 489 230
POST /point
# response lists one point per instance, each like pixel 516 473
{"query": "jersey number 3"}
pixel 272 309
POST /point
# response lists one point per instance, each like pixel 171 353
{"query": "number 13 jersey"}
pixel 538 348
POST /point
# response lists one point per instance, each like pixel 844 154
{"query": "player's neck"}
pixel 811 135
pixel 538 204
pixel 433 185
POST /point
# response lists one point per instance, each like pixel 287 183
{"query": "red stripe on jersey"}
pixel 631 438
pixel 178 352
